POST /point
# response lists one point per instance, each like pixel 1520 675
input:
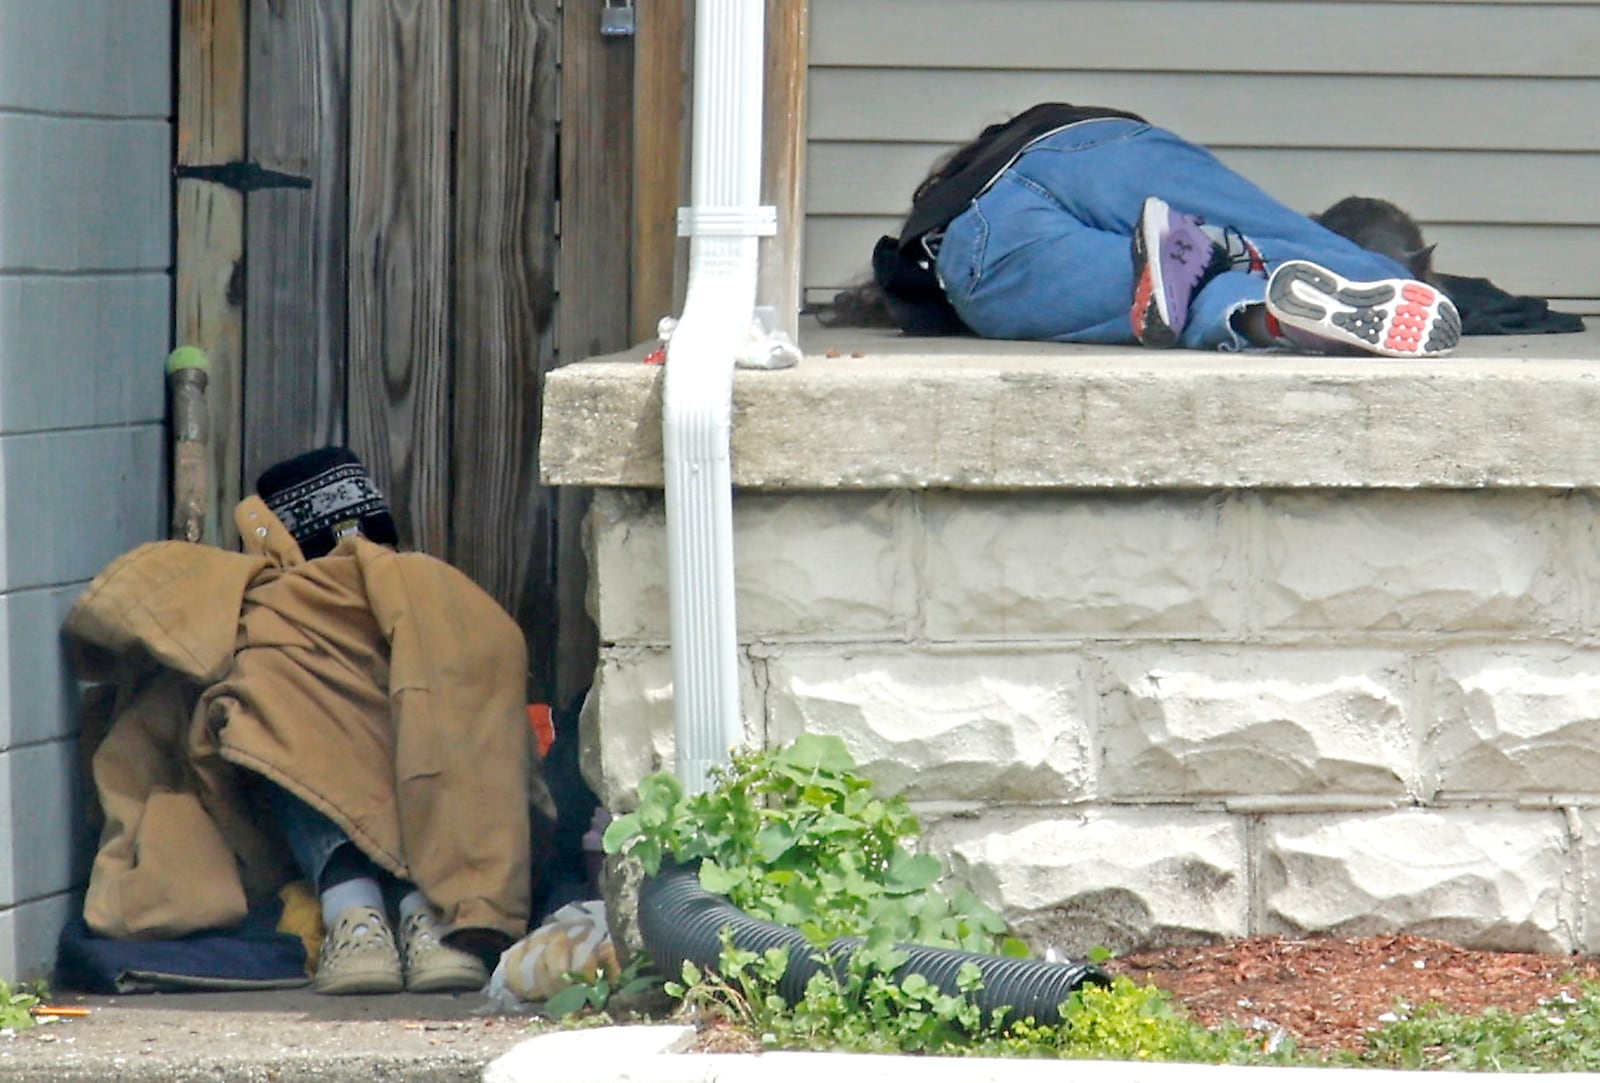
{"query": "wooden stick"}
pixel 191 473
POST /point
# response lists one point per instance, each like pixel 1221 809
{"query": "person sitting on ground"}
pixel 321 702
pixel 1087 224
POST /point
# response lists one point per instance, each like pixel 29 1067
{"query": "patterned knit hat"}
pixel 325 495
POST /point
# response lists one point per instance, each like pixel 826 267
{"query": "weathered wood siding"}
pixel 1482 119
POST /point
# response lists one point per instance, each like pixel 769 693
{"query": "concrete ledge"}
pixel 887 412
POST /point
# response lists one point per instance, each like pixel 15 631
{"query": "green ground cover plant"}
pixel 17 1004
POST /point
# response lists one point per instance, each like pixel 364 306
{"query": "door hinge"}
pixel 242 176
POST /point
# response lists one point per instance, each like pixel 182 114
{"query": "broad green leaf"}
pixel 1012 948
pixel 619 831
pixel 718 880
pixel 572 999
pixel 774 841
pixel 814 751
pixel 914 873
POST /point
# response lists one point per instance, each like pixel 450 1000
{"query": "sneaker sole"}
pixel 1152 326
pixel 448 980
pixel 359 983
pixel 1392 317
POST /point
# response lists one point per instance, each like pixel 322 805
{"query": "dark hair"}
pixel 864 304
pixel 1379 226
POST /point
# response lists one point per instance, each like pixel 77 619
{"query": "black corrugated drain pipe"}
pixel 681 921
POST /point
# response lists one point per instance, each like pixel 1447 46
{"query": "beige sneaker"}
pixel 359 956
pixel 431 965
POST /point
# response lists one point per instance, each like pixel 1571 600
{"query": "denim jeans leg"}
pixel 312 837
pixel 1015 266
pixel 1045 253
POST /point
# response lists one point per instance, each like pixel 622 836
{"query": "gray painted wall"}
pixel 1479 118
pixel 85 300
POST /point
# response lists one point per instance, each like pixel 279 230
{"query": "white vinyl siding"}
pixel 1481 119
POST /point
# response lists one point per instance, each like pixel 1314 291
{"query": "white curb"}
pixel 649 1054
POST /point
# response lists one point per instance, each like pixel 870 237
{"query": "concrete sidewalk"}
pixel 290 1036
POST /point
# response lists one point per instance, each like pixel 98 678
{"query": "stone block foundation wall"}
pixel 1151 714
pixel 1173 717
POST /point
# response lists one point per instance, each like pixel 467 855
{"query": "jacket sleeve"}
pixel 463 748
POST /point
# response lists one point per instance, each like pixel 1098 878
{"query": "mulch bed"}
pixel 1327 993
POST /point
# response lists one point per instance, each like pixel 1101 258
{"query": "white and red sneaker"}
pixel 1319 311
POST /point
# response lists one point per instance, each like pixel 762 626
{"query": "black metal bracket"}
pixel 242 176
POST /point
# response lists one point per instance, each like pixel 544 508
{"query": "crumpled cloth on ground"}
pixel 573 944
pixel 267 950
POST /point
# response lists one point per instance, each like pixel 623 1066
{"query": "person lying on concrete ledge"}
pixel 1086 224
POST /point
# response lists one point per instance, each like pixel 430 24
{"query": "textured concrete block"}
pixel 87 56
pixel 807 567
pixel 1006 565
pixel 1120 878
pixel 75 500
pixel 81 352
pixel 1517 721
pixel 40 810
pixel 85 195
pixel 1204 722
pixel 28 935
pixel 1423 562
pixel 626 728
pixel 978 725
pixel 38 696
pixel 1488 878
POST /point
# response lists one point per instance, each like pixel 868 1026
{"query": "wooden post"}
pixel 505 173
pixel 295 323
pixel 596 270
pixel 783 170
pixel 210 235
pixel 399 406
pixel 660 133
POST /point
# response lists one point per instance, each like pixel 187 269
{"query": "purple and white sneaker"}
pixel 1174 256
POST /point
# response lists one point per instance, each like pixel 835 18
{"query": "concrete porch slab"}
pixel 871 409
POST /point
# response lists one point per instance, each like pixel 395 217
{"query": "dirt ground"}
pixel 1327 993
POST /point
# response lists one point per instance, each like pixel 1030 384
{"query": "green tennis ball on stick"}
pixel 187 357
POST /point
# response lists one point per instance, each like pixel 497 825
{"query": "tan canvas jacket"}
pixel 383 688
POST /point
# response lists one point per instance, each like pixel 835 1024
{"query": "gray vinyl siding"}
pixel 1481 119
pixel 85 311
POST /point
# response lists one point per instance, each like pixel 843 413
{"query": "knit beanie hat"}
pixel 324 495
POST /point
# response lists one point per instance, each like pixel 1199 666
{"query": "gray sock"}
pixel 410 903
pixel 361 891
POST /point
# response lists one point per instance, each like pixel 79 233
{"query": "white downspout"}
pixel 724 225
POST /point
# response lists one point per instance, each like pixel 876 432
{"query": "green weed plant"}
pixel 17 1004
pixel 1561 1035
pixel 796 836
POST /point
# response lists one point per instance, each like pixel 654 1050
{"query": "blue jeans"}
pixel 1045 252
pixel 313 839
